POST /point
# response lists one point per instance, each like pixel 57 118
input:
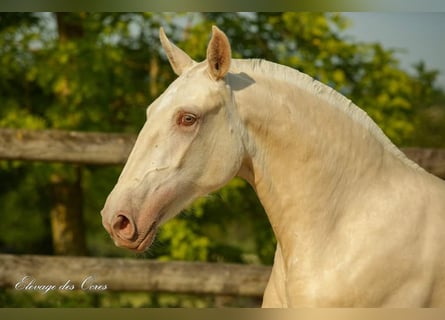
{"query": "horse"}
pixel 357 223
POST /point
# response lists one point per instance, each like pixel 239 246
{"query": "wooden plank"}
pixel 65 146
pixel 133 275
pixel 114 148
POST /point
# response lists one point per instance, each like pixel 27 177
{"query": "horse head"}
pixel 188 147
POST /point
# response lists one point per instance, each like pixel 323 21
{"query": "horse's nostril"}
pixel 124 228
pixel 123 222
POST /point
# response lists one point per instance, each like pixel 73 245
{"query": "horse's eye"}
pixel 187 119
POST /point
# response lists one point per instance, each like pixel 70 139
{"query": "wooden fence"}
pixel 65 146
pixel 97 274
pixel 130 274
pixel 108 148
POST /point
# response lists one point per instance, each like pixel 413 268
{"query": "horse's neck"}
pixel 307 158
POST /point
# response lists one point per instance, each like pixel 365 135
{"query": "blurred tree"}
pixel 67 225
pixel 430 109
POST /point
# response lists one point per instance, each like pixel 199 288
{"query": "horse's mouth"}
pixel 147 240
pixel 145 243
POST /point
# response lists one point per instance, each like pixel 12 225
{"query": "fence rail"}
pixel 65 146
pixel 115 274
pixel 112 148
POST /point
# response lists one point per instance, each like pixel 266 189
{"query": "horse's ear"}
pixel 218 54
pixel 179 60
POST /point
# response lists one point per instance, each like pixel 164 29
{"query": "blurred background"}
pixel 97 72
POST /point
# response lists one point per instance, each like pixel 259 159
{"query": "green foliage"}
pixel 24 226
pixel 184 241
pixel 99 71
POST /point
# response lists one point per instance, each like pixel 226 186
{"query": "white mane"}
pixel 328 94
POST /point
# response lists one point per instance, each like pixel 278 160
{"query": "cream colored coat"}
pixel 357 223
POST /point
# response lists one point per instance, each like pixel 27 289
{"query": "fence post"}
pixel 67 225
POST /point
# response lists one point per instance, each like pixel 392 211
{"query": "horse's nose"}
pixel 123 228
